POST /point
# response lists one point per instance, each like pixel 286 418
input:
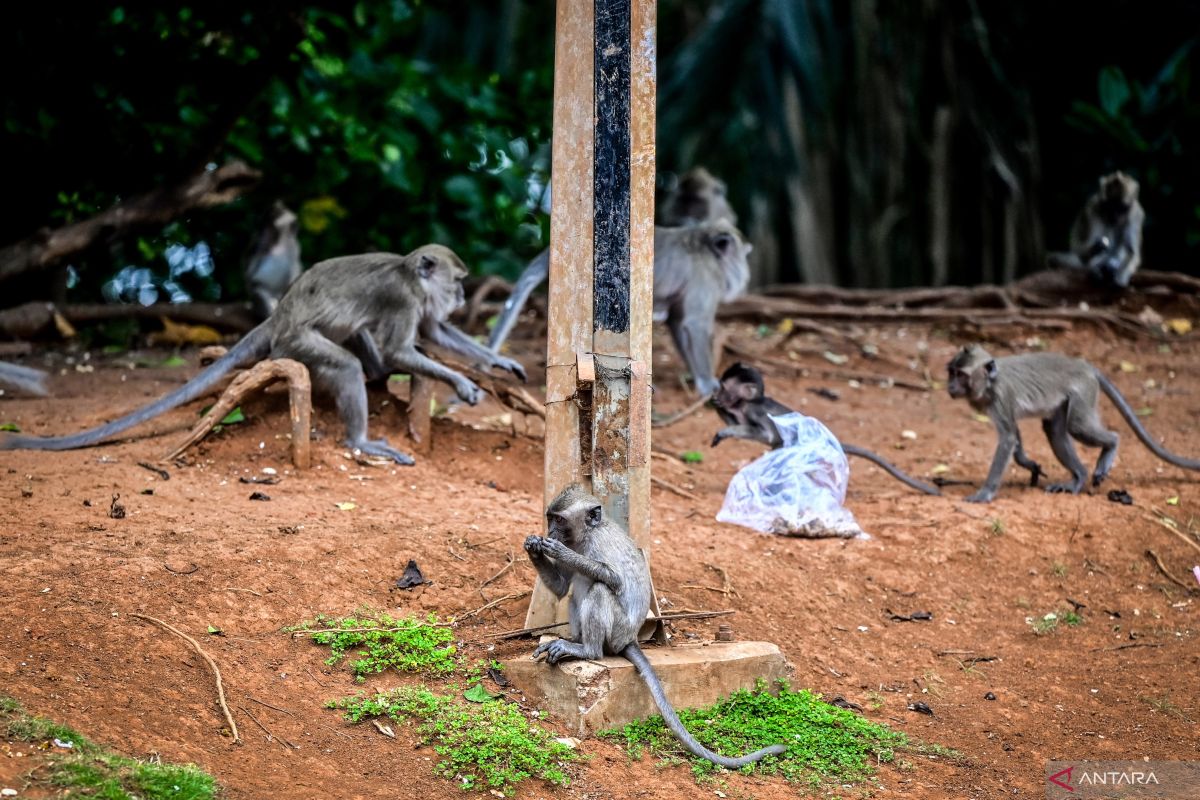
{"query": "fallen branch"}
pixel 251 380
pixel 490 284
pixel 1190 587
pixel 670 487
pixel 211 665
pixel 493 604
pixel 270 736
pixel 1162 520
pixel 839 374
pixel 212 187
pixel 679 615
pixel 30 319
pixel 698 404
pixel 503 570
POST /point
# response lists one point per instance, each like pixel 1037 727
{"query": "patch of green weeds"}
pixel 1059 569
pixel 381 642
pixel 1048 623
pixel 825 744
pixel 488 745
pixel 997 526
pixel 88 770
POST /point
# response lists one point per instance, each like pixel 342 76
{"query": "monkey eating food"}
pixel 744 407
pixel 275 263
pixel 375 303
pixel 1106 238
pixel 593 556
pixel 1063 391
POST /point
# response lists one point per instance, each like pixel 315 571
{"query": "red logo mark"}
pixel 1055 779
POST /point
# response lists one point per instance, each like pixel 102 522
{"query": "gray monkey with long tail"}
pixel 594 557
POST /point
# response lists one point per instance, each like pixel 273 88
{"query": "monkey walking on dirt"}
pixel 343 310
pixel 1063 391
pixel 594 557
pixel 744 407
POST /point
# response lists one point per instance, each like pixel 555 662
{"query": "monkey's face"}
pixel 1118 192
pixel 441 273
pixel 965 370
pixel 572 524
pixel 740 384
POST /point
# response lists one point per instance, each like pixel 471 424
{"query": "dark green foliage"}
pixel 825 744
pixel 488 745
pixel 383 642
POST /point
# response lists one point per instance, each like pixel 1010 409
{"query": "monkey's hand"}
pixel 509 365
pixel 982 496
pixel 468 392
pixel 535 546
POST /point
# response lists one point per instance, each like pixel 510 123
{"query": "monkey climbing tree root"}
pixel 251 380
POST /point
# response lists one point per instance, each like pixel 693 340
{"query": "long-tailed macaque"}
pixel 699 262
pixel 275 263
pixel 696 268
pixel 746 410
pixel 593 556
pixel 1106 238
pixel 1063 391
pixel 699 196
pixel 27 379
pixel 378 301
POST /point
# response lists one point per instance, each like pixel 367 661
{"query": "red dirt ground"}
pixel 197 552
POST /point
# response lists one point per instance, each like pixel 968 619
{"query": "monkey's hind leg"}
pixel 1086 426
pixel 335 370
pixel 596 616
pixel 1056 428
pixel 1024 461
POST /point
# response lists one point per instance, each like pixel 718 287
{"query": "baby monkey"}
pixel 744 407
pixel 1106 238
pixel 1063 391
pixel 594 557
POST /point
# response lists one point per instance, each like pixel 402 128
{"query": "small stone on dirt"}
pixel 1120 496
pixel 920 708
pixel 989 696
pixel 259 496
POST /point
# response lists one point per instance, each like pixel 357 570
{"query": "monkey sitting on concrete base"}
pixel 744 407
pixel 1063 391
pixel 610 596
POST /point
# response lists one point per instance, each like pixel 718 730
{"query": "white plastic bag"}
pixel 796 489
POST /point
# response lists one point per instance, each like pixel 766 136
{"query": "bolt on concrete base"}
pixel 589 696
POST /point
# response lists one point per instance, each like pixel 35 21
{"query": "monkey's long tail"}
pixel 1131 419
pixel 27 379
pixel 253 346
pixel 638 659
pixel 535 273
pixel 890 468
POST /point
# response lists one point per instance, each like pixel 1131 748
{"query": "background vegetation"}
pixel 865 143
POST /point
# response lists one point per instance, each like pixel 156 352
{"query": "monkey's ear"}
pixel 426 266
pixel 981 379
pixel 594 515
pixel 747 249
